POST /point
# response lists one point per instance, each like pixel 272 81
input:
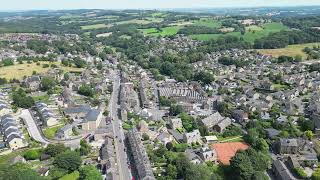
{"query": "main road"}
pixel 124 172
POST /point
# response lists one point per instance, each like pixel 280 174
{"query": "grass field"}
pixel 72 176
pixel 136 21
pixel 95 26
pixel 18 71
pixel 51 132
pixel 291 50
pixel 167 31
pixel 252 32
pixel 208 23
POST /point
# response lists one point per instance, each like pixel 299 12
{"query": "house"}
pixel 65 132
pixel 192 137
pixel 139 156
pixel 33 83
pixel 222 125
pixel 280 171
pixel 77 112
pixel 287 146
pixel 215 122
pixel 207 154
pixel 46 114
pixel 92 120
pixel 175 123
pixel 240 116
pixel 193 157
pixel 12 134
pixel 165 137
pixel 143 126
pixel 272 133
pixel 211 139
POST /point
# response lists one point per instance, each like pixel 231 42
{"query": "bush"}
pixel 300 172
pixel 31 155
pixel 45 65
pixel 8 62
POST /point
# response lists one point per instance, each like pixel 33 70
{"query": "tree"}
pixel 89 172
pixel 20 99
pixel 171 172
pixel 242 166
pixel 54 149
pixel 18 171
pixel 84 148
pixel 298 58
pixel 252 136
pixel 8 62
pixel 188 122
pixel 31 154
pixel 195 172
pixel 309 134
pixel 145 137
pixel 68 160
pixel 80 63
pixel 86 90
pixel 182 164
pixel 261 145
pixel 316 175
pixel 175 110
pixel 47 83
pixel 3 81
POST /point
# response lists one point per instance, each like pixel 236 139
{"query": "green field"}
pixel 208 23
pixel 94 26
pixel 291 50
pixel 252 32
pixel 18 71
pixel 51 131
pixel 72 176
pixel 138 21
pixel 167 31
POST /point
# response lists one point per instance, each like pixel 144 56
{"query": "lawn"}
pixel 208 23
pixel 72 176
pixel 95 26
pixel 230 139
pixel 18 71
pixel 44 98
pixel 5 159
pixel 50 132
pixel 167 31
pixel 291 50
pixel 136 21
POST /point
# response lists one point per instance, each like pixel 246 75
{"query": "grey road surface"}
pixel 124 172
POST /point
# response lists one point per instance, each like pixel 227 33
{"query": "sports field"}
pixel 18 71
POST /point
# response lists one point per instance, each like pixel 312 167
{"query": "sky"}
pixel 145 4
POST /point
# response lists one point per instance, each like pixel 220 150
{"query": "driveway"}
pixel 32 127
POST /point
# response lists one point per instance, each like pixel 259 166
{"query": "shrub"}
pixel 31 155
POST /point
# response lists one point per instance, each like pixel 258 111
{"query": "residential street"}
pixel 122 160
pixel 32 127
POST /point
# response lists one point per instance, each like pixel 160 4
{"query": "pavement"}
pixel 124 172
pixel 32 127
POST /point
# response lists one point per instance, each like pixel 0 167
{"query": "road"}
pixel 32 127
pixel 121 156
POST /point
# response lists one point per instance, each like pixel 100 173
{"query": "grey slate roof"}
pixel 92 115
pixel 78 109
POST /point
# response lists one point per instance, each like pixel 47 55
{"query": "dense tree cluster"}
pixel 86 90
pixel 20 99
pixel 284 38
pixel 249 164
pixel 231 61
